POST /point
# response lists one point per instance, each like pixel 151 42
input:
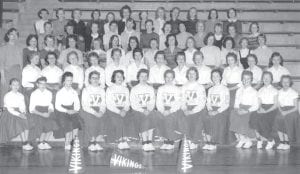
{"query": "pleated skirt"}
pixel 142 122
pixel 240 124
pixel 195 125
pixel 92 126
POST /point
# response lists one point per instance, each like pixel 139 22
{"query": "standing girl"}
pixel 200 34
pixel 160 19
pixel 213 19
pixel 67 107
pixel 192 20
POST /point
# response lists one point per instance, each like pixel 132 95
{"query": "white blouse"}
pixel 149 58
pixel 212 55
pixel 30 74
pixel 78 75
pixel 278 72
pixel 180 75
pixel 246 96
pixel 142 97
pixel 109 59
pixel 193 94
pixel 156 74
pixel 53 74
pixel 267 94
pixel 132 71
pixel 189 57
pixel 204 74
pixel 67 97
pixel 257 73
pixel 286 98
pixel 40 98
pixel 232 75
pixel 14 100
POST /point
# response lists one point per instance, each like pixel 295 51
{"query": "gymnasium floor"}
pixel 226 160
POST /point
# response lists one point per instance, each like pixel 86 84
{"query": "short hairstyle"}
pixel 122 10
pixel 115 50
pixel 192 69
pixel 69 24
pixel 114 74
pixel 218 25
pixel 109 13
pixel 154 39
pixel 253 56
pixel 174 8
pixel 90 55
pixel 169 71
pixel 31 56
pixel 200 22
pixel 65 75
pixel 113 22
pixel 196 53
pixel 168 37
pixel 267 73
pixel 156 12
pixel 135 39
pixel 229 11
pixel 217 70
pixel 47 23
pixel 73 11
pixel 142 71
pixel 59 9
pixel 49 54
pixel 210 11
pixel 208 35
pixel 180 54
pixel 95 10
pixel 140 14
pixel 92 73
pixel 228 38
pixel 31 36
pixel 261 35
pixel 133 21
pixel 231 55
pixel 166 23
pixel 254 23
pixel 247 73
pixel 14 80
pixel 137 50
pixel 242 39
pixel 111 40
pixel 71 53
pixel 41 79
pixel 188 14
pixel 286 77
pixel 40 12
pixel 231 25
pixel 6 37
pixel 190 38
pixel 275 54
pixel 97 40
pixel 71 36
pixel 159 53
pixel 48 36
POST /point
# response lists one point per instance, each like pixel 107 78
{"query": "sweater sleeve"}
pixel 201 99
pixel 134 100
pixel 85 102
pixel 177 104
pixel 225 100
pixel 159 100
pixel 110 103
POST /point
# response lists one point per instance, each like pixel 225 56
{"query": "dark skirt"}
pixel 156 85
pixel 217 126
pixel 170 124
pixel 244 63
pixel 92 126
pixel 240 123
pixel 27 92
pixel 288 124
pixel 53 87
pixel 117 127
pixel 232 94
pixel 66 122
pixel 142 123
pixel 12 126
pixel 263 122
pixel 42 124
pixel 194 125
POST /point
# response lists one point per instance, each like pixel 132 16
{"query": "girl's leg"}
pixel 43 137
pixel 286 142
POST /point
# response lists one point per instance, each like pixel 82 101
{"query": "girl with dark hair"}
pixel 253 37
pixel 31 43
pixel 110 16
pixel 41 37
pixel 93 109
pixel 174 21
pixel 43 14
pixel 215 123
pixel 59 25
pixel 93 35
pixel 193 106
pixel 190 50
pixel 14 121
pixel 213 19
pixel 150 53
pixel 256 71
pixel 143 16
pixel 142 98
pixel 116 55
pixel 263 120
pixel 203 70
pixel 67 107
pixel 246 103
pixel 192 20
pixel 129 33
pixel 118 104
pixel 219 36
pixel 277 69
pixel 11 62
pixel 79 25
pixel 160 19
pixel 232 20
pixel 93 61
pixel 166 30
pixel 113 31
pixel 148 35
pixel 97 46
pixel 125 13
pixel 232 76
pixel 211 52
pixel 42 113
pixel 228 47
pixel 287 120
pixel 76 70
pixel 156 75
pixel 244 52
pixel 132 45
pixel 181 69
pixel 263 52
pixel 234 34
pixel 168 103
pixel 171 50
pixel 115 43
pixel 71 47
pixel 52 72
pixel 200 34
pixel 95 18
pixel 50 46
pixel 182 36
pixel 135 66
